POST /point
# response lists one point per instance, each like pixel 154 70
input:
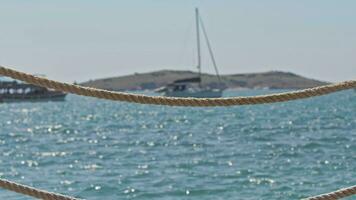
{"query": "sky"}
pixel 80 40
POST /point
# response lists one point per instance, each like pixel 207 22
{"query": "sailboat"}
pixel 193 87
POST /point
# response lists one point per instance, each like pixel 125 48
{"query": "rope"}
pixel 33 192
pixel 342 193
pixel 41 194
pixel 143 99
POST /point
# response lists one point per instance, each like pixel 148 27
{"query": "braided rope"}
pixel 342 193
pixel 41 194
pixel 143 99
pixel 33 192
pixel 120 96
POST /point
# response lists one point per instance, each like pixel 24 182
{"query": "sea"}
pixel 99 149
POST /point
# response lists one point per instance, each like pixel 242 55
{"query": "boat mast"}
pixel 210 50
pixel 198 42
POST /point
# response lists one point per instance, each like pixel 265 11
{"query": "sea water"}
pixel 99 149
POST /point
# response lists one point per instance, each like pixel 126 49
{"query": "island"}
pixel 157 79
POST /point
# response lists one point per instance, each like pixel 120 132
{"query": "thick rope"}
pixel 41 194
pixel 33 192
pixel 342 193
pixel 143 99
pixel 120 96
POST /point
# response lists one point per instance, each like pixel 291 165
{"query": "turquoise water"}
pixel 97 149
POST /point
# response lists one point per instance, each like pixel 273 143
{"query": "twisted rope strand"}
pixel 128 97
pixel 171 101
pixel 33 192
pixel 45 195
pixel 342 193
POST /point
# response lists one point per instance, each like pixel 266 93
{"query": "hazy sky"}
pixel 79 40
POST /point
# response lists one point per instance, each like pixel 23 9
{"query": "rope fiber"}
pixel 33 192
pixel 171 101
pixel 143 99
pixel 342 193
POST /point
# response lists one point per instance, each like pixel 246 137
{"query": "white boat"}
pixel 193 87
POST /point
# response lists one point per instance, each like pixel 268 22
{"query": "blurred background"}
pixel 82 40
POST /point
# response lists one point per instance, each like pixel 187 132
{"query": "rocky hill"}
pixel 153 80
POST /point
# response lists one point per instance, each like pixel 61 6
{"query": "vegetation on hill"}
pixel 153 80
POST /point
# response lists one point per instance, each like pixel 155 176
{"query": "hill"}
pixel 153 80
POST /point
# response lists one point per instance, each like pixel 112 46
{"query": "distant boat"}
pixel 193 87
pixel 13 91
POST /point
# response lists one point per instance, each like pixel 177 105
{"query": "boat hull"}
pixel 32 98
pixel 195 94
